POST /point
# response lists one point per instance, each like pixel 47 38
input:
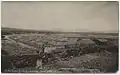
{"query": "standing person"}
pixel 41 57
pixel 38 61
pixel 43 48
pixel 44 53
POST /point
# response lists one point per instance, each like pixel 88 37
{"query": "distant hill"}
pixel 7 30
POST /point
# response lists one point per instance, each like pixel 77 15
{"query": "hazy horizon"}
pixel 61 16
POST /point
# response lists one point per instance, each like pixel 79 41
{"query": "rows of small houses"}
pixel 102 61
pixel 30 60
pixel 68 51
pixel 15 49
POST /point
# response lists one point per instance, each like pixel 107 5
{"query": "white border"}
pixel 118 73
pixel 59 0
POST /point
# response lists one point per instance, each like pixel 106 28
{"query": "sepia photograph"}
pixel 59 36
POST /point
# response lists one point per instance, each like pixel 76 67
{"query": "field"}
pixel 66 52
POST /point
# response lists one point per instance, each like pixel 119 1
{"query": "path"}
pixel 21 44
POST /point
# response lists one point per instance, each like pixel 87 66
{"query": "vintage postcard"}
pixel 59 36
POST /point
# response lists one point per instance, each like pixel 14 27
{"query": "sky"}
pixel 61 16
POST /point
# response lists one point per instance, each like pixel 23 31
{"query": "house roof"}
pixel 86 41
pixel 103 40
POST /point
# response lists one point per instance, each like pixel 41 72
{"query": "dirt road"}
pixel 21 44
